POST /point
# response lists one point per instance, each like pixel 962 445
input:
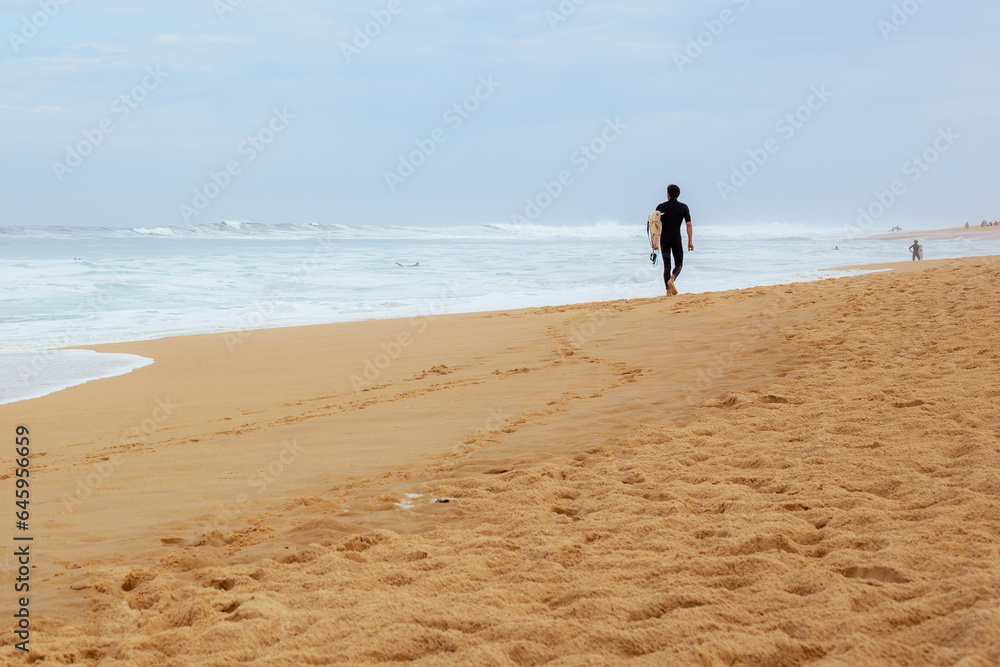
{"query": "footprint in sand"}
pixel 884 574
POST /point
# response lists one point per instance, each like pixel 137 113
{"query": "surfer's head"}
pixel 673 191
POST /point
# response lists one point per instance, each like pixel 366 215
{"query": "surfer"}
pixel 672 214
pixel 915 248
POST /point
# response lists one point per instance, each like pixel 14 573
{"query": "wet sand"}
pixel 918 265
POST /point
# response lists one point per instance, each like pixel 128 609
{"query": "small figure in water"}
pixel 915 248
pixel 411 266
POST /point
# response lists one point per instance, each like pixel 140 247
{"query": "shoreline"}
pixel 38 378
pixel 728 434
pixel 944 234
pixel 105 319
pixel 235 338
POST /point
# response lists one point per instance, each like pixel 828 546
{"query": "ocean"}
pixel 79 286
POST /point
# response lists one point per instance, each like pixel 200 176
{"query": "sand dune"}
pixel 801 474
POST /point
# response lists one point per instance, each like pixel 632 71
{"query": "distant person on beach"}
pixel 966 225
pixel 672 214
pixel 916 250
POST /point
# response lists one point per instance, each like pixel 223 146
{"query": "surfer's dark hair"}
pixel 673 191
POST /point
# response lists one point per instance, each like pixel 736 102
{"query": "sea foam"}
pixel 27 375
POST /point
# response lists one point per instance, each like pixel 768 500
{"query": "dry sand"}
pixel 802 474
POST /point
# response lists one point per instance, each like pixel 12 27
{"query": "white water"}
pixel 25 375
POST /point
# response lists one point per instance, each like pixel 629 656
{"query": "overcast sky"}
pixel 173 112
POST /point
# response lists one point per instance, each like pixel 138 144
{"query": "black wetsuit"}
pixel 673 214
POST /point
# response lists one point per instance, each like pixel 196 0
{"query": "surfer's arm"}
pixel 690 231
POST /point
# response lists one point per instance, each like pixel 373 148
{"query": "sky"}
pixel 855 114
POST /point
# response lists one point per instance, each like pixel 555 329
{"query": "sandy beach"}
pixel 974 231
pixel 799 474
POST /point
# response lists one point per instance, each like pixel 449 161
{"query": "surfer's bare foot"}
pixel 670 286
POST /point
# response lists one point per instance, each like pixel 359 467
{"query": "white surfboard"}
pixel 654 228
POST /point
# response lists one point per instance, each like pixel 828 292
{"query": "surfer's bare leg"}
pixel 669 276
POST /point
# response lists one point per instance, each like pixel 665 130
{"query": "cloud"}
pixel 98 47
pixel 64 63
pixel 41 108
pixel 194 41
